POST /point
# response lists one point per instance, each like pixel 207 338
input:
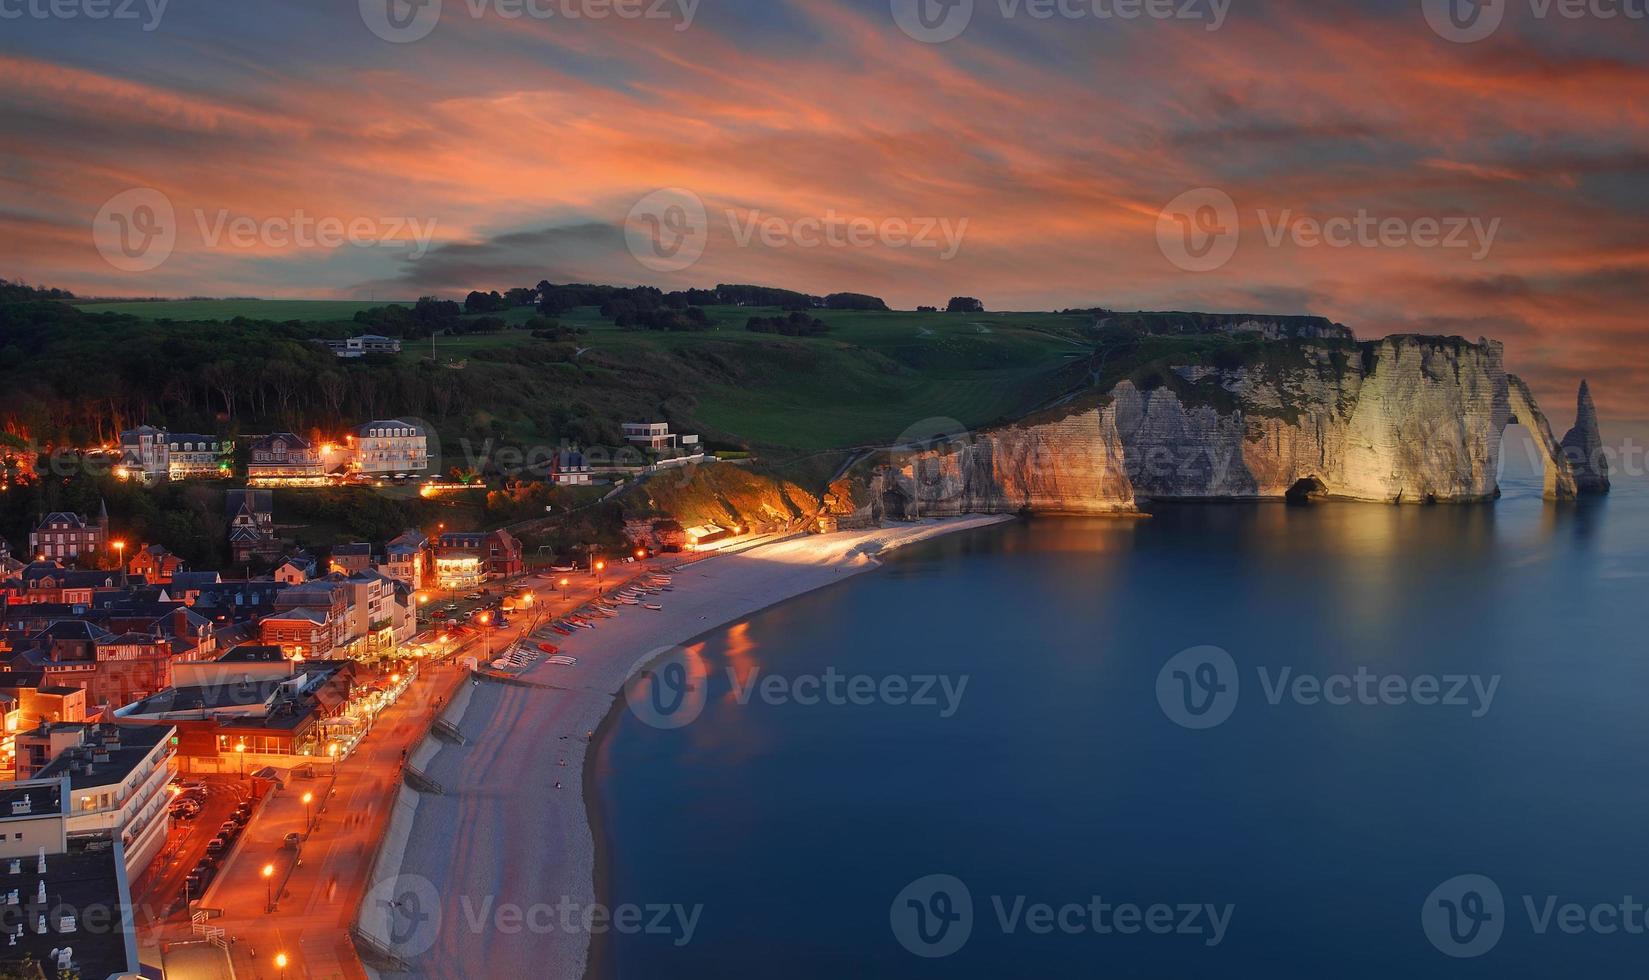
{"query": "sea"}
pixel 1239 740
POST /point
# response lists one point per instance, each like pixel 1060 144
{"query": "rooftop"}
pixel 91 880
pixel 111 751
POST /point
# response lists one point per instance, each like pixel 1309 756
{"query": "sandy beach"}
pixel 493 876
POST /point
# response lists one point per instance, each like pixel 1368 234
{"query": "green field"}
pixel 280 310
pixel 866 382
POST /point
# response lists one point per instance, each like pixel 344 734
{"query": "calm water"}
pixel 1062 777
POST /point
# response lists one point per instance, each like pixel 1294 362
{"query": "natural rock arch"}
pixel 1559 477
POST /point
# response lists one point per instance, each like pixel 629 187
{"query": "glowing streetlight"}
pixel 332 750
pixel 269 888
pixel 120 556
pixel 281 961
pixel 240 749
pixel 308 821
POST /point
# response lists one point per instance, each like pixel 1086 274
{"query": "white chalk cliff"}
pixel 1405 419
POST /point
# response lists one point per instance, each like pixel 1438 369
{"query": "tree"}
pixel 964 304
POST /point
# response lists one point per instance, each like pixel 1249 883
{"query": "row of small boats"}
pixel 607 607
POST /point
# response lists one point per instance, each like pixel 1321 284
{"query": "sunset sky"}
pixel 1048 146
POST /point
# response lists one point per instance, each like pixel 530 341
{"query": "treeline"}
pixel 794 325
pixel 16 292
pixel 76 378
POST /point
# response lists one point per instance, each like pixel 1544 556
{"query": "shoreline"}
pixel 509 833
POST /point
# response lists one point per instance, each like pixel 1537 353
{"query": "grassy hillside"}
pixel 279 310
pixel 868 380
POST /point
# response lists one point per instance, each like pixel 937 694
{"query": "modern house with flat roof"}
pixel 117 777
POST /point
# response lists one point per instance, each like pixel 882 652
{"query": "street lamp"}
pixel 599 567
pixel 269 888
pixel 120 556
pixel 308 821
pixel 280 961
pixel 332 750
pixel 240 749
pixel 486 638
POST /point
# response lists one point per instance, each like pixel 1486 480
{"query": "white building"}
pixel 389 446
pixel 196 456
pixel 117 777
pixel 656 436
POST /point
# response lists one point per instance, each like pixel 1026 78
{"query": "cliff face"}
pixel 1583 447
pixel 1405 419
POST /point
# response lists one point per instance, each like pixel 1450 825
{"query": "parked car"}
pixel 292 840
pixel 216 846
pixel 228 828
pixel 473 596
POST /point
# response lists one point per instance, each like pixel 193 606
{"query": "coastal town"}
pixel 212 741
